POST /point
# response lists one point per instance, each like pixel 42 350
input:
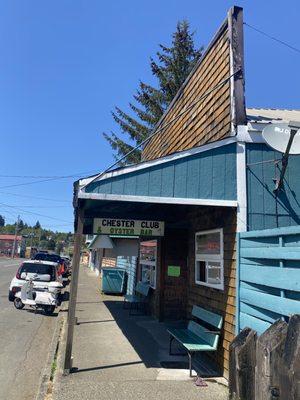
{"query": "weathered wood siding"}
pixel 265 210
pixel 207 175
pixel 222 302
pixel 208 120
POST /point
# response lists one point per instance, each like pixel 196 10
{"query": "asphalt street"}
pixel 25 339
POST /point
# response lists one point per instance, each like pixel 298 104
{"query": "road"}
pixel 25 339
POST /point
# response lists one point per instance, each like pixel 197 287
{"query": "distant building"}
pixel 7 244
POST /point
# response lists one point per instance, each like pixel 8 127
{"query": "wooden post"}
pixel 73 291
pixel 242 365
pixel 289 369
pixel 269 351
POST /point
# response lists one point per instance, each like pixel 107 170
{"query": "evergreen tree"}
pixel 2 220
pixel 37 225
pixel 172 68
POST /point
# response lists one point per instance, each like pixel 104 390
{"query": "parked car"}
pixel 37 269
pixel 53 258
pixel 67 262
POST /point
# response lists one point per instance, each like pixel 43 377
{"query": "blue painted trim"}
pixel 290 230
pixel 269 302
pixel 284 253
pixel 281 278
pixel 255 323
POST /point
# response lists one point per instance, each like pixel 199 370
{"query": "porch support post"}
pixel 73 291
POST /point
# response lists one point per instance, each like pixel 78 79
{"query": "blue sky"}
pixel 65 64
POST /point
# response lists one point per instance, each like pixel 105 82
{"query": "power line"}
pixel 50 177
pixel 16 205
pixel 273 38
pixel 156 129
pixel 34 213
pixel 36 197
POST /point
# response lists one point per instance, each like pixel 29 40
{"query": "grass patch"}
pixel 53 369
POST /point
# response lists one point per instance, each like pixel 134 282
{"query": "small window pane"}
pixel 208 243
pixel 213 272
pixel 200 271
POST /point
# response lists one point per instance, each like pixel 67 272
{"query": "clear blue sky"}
pixel 65 64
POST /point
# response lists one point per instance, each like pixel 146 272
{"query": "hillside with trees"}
pixel 37 236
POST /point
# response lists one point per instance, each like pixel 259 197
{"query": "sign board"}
pixel 277 136
pixel 173 270
pixel 128 227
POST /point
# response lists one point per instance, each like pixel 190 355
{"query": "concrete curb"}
pixel 45 380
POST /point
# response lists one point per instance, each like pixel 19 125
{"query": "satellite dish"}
pixel 277 136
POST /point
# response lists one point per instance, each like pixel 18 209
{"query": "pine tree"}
pixel 172 68
pixel 37 225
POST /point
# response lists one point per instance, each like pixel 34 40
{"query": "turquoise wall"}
pixel 268 277
pixel 207 175
pixel 264 209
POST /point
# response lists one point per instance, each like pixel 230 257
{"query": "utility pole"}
pixel 73 291
pixel 15 238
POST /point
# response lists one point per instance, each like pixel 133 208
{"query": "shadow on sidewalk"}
pixel 77 370
pixel 150 340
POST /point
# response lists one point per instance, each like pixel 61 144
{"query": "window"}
pixel 209 264
pixel 148 258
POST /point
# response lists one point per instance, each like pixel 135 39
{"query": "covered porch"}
pixel 189 192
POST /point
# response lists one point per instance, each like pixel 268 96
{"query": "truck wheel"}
pixel 18 303
pixel 48 310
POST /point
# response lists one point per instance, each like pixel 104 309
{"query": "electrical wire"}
pixel 49 177
pixel 34 213
pixel 36 197
pixel 272 37
pixel 156 130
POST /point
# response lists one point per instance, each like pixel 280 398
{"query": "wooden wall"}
pixel 222 302
pixel 215 112
pixel 174 289
pixel 208 120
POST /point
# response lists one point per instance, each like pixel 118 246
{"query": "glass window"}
pixel 148 260
pixel 209 265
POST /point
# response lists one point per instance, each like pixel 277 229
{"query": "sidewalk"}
pixel 117 357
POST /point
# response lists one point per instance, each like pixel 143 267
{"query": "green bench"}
pixel 138 299
pixel 198 336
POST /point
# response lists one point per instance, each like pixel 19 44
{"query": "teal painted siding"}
pixel 265 211
pixel 268 277
pixel 207 175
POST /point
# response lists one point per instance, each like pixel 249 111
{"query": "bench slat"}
pixel 211 318
pixel 200 331
pixel 189 340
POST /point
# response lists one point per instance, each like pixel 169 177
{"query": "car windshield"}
pixel 40 269
pixel 47 257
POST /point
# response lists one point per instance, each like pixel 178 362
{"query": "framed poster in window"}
pixel 148 262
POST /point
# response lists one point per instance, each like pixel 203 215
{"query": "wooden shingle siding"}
pixel 207 175
pixel 208 120
pixel 222 302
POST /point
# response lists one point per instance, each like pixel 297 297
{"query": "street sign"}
pixel 127 227
pixel 277 136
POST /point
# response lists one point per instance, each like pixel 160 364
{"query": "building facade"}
pixel 206 176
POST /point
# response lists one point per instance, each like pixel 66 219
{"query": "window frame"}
pixel 210 258
pixel 151 264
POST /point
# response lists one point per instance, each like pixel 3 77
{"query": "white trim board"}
pixel 159 200
pixel 241 186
